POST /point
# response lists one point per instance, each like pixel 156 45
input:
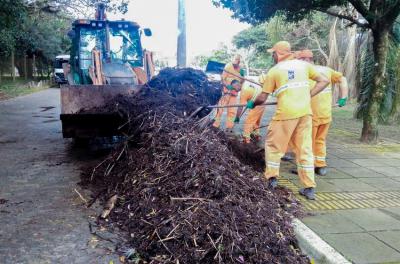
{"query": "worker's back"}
pixel 289 82
pixel 321 104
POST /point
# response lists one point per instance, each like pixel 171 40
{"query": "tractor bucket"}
pixel 75 99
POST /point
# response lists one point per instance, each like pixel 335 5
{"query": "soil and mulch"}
pixel 180 192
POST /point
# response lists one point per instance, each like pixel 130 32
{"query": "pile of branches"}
pixel 182 196
pixel 190 88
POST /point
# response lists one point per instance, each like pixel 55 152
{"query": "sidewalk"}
pixel 357 210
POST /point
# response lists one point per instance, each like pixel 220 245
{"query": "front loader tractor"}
pixel 107 60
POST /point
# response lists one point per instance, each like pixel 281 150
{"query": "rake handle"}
pixel 236 105
pixel 245 79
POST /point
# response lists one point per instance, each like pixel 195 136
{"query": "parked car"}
pixel 59 77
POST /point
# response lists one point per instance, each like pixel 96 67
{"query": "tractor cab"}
pixel 118 44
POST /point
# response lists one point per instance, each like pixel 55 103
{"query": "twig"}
pixel 109 170
pixel 212 242
pixel 121 126
pixel 194 240
pixel 166 239
pixel 173 230
pixel 160 240
pixel 109 206
pixel 94 170
pixel 80 196
pixel 189 198
pixel 122 152
pixel 319 48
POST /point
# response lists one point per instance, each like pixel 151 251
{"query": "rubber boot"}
pixel 309 193
pixel 272 183
pixel 321 171
pixel 288 157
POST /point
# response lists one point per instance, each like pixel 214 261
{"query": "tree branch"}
pixel 349 18
pixel 319 48
pixel 393 12
pixel 361 8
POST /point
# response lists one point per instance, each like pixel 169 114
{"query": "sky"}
pixel 206 26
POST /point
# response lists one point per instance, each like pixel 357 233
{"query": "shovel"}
pixel 218 68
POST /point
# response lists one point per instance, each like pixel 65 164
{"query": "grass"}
pixel 346 129
pixel 10 88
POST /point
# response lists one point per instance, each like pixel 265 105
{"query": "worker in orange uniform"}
pixel 252 123
pixel 321 106
pixel 292 122
pixel 232 72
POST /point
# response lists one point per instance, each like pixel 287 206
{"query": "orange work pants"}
pixel 252 122
pixel 297 132
pixel 226 99
pixel 319 134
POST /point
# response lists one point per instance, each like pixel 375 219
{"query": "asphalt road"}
pixel 42 218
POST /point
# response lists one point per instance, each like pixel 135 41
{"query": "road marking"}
pixel 345 200
pixel 358 200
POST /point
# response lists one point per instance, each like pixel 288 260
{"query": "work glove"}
pixel 342 102
pixel 242 72
pixel 230 87
pixel 250 104
pixel 237 120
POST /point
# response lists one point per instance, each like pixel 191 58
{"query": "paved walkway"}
pixel 357 210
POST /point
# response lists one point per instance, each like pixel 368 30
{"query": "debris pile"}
pixel 190 88
pixel 180 193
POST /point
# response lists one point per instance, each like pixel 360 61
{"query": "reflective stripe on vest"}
pixel 292 85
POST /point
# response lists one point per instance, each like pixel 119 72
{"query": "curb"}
pixel 317 249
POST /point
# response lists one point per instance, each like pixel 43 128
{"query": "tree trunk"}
pixel 25 68
pixel 33 66
pixel 30 68
pixel 22 70
pixel 19 64
pixel 371 117
pixel 13 65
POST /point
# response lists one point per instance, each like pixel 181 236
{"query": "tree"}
pixel 252 38
pixel 389 107
pixel 11 14
pixel 222 54
pixel 310 32
pixel 378 16
pixel 78 8
pixel 253 43
pixel 39 28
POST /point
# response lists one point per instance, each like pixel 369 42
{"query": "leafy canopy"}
pixel 377 13
pixel 252 38
pixel 81 8
pixel 256 11
pixel 221 54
